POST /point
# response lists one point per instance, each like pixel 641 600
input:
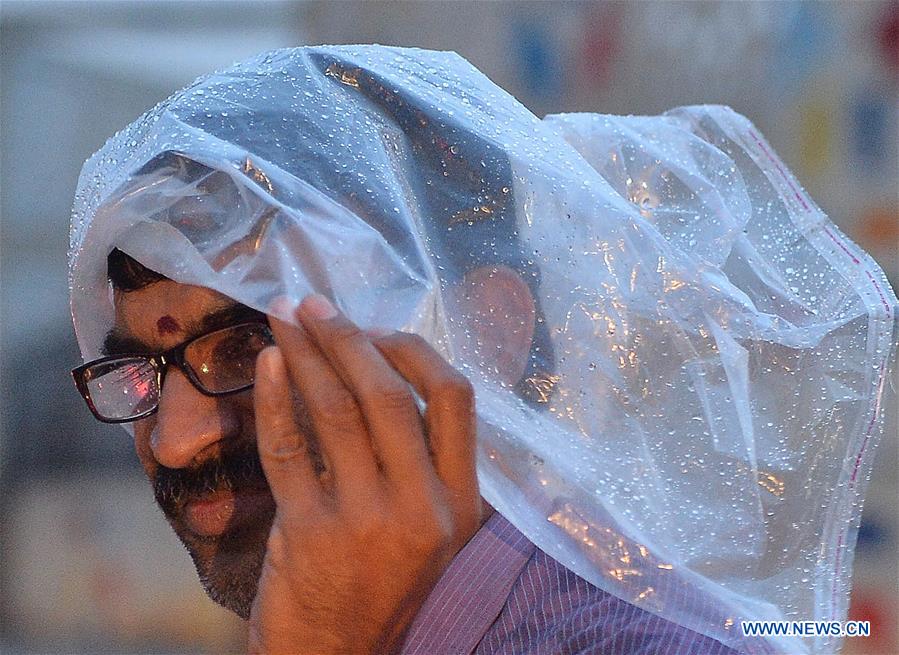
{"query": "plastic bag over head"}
pixel 694 426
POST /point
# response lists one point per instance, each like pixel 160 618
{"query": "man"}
pixel 354 547
pixel 322 506
pixel 228 246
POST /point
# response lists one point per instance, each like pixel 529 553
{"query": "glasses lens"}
pixel 225 360
pixel 122 388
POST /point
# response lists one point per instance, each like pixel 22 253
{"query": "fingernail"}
pixel 270 364
pixel 378 332
pixel 282 306
pixel 318 307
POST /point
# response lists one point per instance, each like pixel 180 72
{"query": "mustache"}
pixel 232 470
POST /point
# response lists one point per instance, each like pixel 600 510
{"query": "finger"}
pixel 387 403
pixel 283 449
pixel 333 412
pixel 450 405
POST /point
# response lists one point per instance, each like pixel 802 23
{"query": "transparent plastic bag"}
pixel 694 428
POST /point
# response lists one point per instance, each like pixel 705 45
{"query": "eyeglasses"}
pixel 124 388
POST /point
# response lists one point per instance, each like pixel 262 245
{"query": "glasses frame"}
pixel 160 363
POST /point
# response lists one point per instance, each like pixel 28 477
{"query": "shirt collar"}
pixel 471 592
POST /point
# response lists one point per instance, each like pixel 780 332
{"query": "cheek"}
pixel 142 431
pixel 242 406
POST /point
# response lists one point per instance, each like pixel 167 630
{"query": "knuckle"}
pixel 442 527
pixel 284 452
pixel 412 340
pixel 456 388
pixel 277 548
pixel 370 525
pixel 345 333
pixel 394 398
pixel 336 410
pixel 400 342
pixel 431 534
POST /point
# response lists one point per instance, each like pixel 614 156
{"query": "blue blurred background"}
pixel 87 563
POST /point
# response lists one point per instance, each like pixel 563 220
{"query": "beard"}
pixel 232 579
pixel 228 565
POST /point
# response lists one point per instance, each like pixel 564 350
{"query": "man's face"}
pixel 199 452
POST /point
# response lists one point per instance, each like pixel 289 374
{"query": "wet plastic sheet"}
pixel 694 429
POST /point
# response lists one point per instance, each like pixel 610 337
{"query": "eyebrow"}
pixel 117 343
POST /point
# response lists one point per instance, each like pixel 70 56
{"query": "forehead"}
pixel 162 314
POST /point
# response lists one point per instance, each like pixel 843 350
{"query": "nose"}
pixel 189 424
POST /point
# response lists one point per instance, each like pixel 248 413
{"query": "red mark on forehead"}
pixel 167 325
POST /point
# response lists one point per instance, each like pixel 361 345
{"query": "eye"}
pixel 226 360
pixel 242 342
pixel 122 388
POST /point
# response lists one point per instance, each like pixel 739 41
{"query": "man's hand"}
pixel 353 553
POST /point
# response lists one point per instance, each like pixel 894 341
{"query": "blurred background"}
pixel 87 563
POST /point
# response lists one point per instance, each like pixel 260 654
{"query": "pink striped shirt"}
pixel 503 595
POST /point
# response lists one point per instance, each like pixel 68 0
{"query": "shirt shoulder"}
pixel 553 611
pixel 501 595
